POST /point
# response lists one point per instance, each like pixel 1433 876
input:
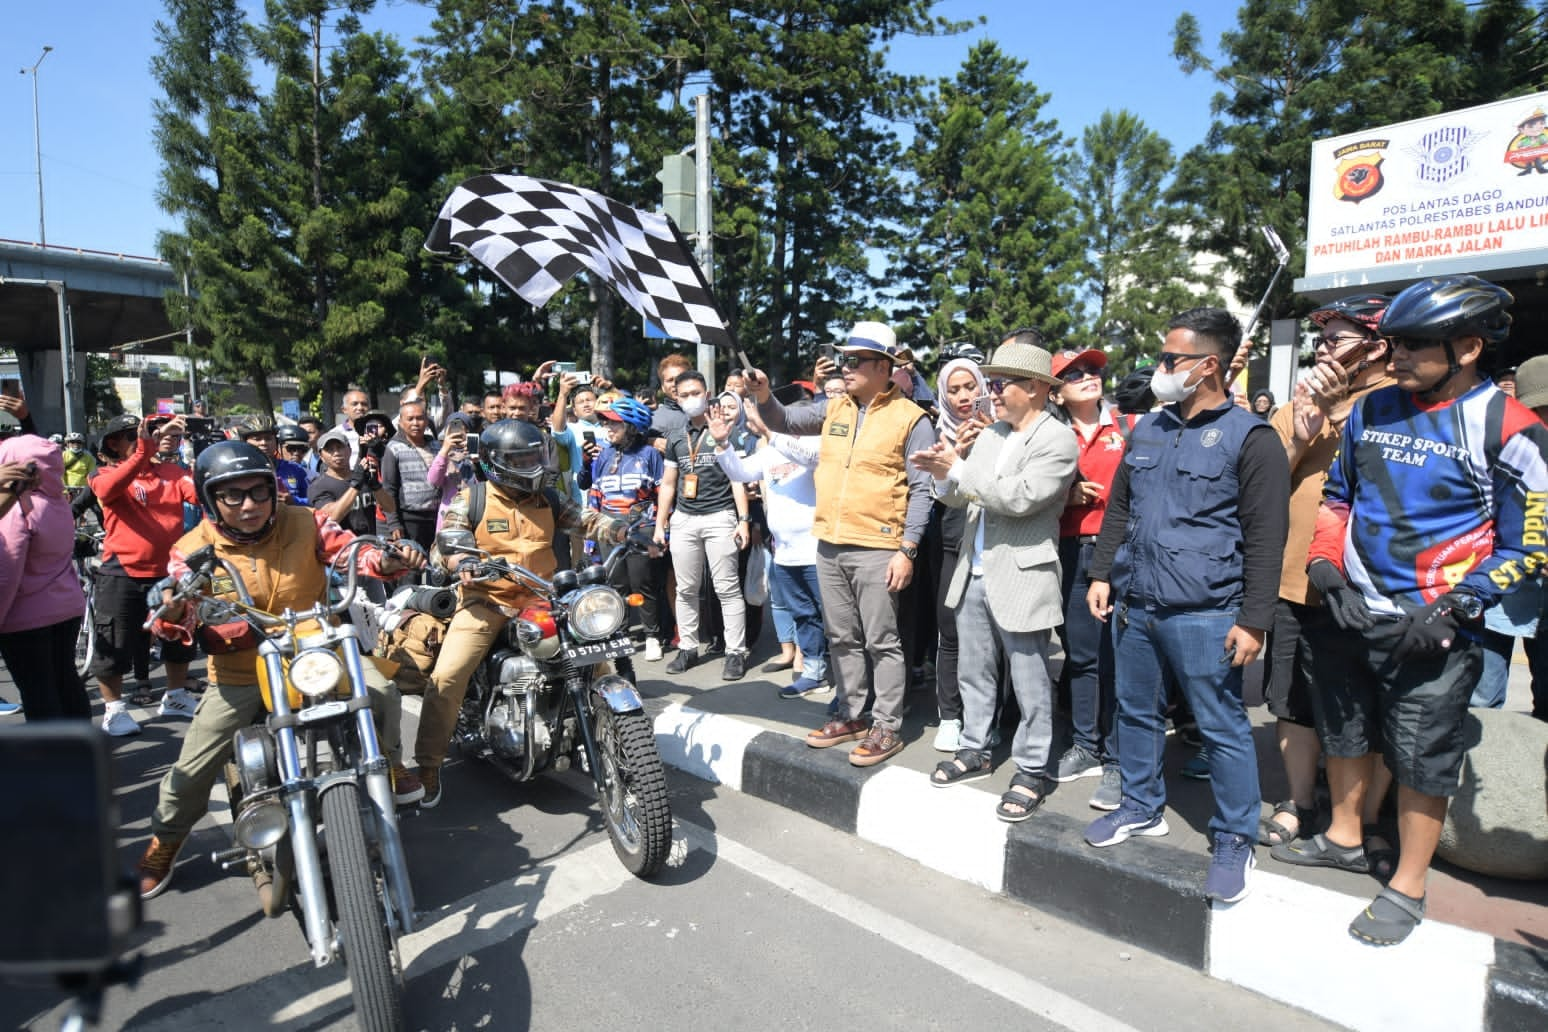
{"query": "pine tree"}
pixel 990 242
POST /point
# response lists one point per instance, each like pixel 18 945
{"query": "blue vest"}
pixel 1182 547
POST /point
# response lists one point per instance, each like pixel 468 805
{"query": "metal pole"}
pixel 37 147
pixel 66 356
pixel 193 383
pixel 703 215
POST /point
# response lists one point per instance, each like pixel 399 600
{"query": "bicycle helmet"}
pixel 1445 308
pixel 1361 309
pixel 962 349
pixel 516 455
pixel 75 439
pixel 254 425
pixel 292 435
pixel 231 460
pixel 1133 392
pixel 631 413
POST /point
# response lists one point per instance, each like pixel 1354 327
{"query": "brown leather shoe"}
pixel 836 732
pixel 881 743
pixel 155 867
pixel 406 787
pixel 430 781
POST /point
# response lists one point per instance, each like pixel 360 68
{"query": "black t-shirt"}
pixel 327 490
pixel 694 452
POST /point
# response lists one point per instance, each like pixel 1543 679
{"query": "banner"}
pixel 1463 191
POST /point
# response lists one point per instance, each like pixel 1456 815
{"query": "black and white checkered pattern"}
pixel 535 235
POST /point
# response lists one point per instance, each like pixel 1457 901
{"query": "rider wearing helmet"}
pixel 78 463
pixel 1424 524
pixel 625 479
pixel 141 497
pixel 1351 362
pixel 260 432
pixel 514 516
pixel 282 553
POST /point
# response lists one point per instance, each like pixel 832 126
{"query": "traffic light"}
pixel 678 176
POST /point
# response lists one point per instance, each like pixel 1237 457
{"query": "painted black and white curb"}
pixel 1287 940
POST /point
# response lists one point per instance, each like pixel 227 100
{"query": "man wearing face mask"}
pixel 1187 566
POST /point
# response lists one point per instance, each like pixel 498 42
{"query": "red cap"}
pixel 1062 360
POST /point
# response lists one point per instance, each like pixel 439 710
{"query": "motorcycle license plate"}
pixel 594 652
pixel 322 711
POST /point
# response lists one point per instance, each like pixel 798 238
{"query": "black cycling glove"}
pixel 1344 603
pixel 1430 631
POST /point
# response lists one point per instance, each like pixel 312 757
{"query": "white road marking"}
pixel 1027 993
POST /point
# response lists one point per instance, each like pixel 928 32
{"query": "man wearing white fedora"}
pixel 871 513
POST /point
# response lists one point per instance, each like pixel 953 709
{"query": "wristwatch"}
pixel 910 552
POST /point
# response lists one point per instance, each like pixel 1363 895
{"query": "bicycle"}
pixel 88 552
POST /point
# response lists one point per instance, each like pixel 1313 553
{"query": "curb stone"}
pixel 1285 937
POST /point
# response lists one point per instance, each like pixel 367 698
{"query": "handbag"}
pixel 755 589
pixel 225 638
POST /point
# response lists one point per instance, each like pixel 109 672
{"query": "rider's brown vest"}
pixel 521 533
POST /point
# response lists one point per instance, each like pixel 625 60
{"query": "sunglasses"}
pixel 1078 373
pixel 235 496
pixel 1415 343
pixel 998 386
pixel 1169 359
pixel 296 449
pixel 856 361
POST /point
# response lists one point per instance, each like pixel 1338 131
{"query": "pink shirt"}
pixel 38 583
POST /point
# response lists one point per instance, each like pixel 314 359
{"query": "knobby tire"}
pixel 362 920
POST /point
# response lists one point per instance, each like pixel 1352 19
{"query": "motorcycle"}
pixel 317 831
pixel 557 688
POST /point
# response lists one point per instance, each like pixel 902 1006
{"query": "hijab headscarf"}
pixel 947 423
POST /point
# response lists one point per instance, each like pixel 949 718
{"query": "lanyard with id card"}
pixel 691 480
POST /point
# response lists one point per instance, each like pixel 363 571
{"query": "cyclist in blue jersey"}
pixel 1427 520
pixel 624 480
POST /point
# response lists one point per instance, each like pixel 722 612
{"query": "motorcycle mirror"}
pixel 456 542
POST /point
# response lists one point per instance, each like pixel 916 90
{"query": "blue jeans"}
pixel 797 587
pixel 1494 682
pixel 1088 657
pixel 784 620
pixel 1189 645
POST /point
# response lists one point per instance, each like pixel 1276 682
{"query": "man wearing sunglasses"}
pixel 872 509
pixel 1427 520
pixel 1186 567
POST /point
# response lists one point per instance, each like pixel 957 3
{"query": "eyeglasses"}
pixel 855 361
pixel 1169 359
pixel 998 386
pixel 1342 340
pixel 1078 373
pixel 235 496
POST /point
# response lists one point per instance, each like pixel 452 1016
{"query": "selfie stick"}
pixel 1282 255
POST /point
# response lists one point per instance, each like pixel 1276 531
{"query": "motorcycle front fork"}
pixel 580 695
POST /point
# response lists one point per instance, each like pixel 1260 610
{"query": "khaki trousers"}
pixel 473 630
pixel 223 711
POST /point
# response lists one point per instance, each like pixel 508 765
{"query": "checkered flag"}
pixel 535 235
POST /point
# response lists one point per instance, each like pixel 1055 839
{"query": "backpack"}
pixel 414 646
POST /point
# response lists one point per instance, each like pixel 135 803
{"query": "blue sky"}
pixel 95 92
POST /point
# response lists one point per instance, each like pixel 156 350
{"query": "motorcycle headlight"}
pixel 596 612
pixel 316 672
pixel 260 824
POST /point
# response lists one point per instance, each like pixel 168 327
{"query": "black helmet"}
pixel 1447 307
pixel 292 435
pixel 254 425
pixel 118 424
pixel 516 455
pixel 231 460
pixel 1362 309
pixel 1133 392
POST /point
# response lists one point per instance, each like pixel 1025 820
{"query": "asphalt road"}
pixel 764 919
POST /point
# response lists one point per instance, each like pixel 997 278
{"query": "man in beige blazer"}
pixel 1006 586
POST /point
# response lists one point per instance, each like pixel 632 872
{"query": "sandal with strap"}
pixel 142 694
pixel 1318 851
pixel 1014 806
pixel 1389 919
pixel 1382 859
pixel 967 765
pixel 1274 833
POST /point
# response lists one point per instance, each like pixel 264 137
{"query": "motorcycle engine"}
pixel 506 728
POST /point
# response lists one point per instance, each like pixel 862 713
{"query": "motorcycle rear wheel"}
pixel 634 797
pixel 362 924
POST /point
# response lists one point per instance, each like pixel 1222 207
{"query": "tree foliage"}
pixel 1294 71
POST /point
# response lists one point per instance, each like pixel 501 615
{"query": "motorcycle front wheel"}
pixel 634 795
pixel 362 924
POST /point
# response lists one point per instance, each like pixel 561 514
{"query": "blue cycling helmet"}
pixel 630 412
pixel 1445 308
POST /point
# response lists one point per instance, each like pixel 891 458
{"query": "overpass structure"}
pixel 57 302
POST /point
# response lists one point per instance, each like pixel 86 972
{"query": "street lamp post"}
pixel 37 142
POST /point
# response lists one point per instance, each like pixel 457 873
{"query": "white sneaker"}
pixel 179 703
pixel 948 737
pixel 652 650
pixel 118 723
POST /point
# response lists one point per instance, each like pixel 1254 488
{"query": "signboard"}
pixel 130 394
pixel 291 408
pixel 166 406
pixel 1465 191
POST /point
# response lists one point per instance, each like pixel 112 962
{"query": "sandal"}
pixel 142 694
pixel 1274 833
pixel 1381 859
pixel 967 765
pixel 1014 806
pixel 1389 919
pixel 1317 851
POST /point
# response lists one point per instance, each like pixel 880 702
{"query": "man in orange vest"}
pixel 872 508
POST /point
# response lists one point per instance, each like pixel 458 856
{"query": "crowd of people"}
pixel 1377 541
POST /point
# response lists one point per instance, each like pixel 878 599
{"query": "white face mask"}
pixel 1170 388
pixel 693 407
